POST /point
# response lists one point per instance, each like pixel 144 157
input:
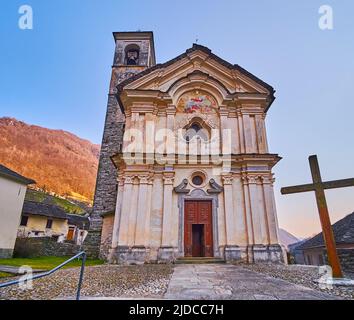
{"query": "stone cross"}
pixel 319 187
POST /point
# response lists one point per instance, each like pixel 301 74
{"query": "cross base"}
pixel 335 281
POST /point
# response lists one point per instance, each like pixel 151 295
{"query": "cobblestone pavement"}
pixel 200 281
pixel 303 275
pixel 147 281
pixel 230 282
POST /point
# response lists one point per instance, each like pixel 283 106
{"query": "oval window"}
pixel 197 180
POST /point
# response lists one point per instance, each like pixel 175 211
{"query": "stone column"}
pixel 148 212
pixel 132 214
pixel 117 215
pixel 229 210
pixel 240 132
pixel 239 212
pixel 224 134
pixel 170 139
pixel 253 195
pixel 260 249
pixel 126 204
pixel 249 220
pixel 232 251
pixel 262 212
pixel 128 123
pixel 261 134
pixel 248 133
pixel 166 252
pixel 271 211
pixel 142 211
pixel 156 215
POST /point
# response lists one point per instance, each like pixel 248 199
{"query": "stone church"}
pixel 185 169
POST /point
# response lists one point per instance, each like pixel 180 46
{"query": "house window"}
pixel 24 221
pixel 49 224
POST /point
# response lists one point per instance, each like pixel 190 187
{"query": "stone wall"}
pixel 346 257
pixel 37 247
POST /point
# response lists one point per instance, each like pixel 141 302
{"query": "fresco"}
pixel 196 102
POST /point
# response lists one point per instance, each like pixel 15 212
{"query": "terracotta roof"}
pixel 12 175
pixel 213 56
pixel 343 233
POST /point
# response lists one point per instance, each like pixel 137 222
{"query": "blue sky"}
pixel 57 74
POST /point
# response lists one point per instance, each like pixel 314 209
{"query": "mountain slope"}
pixel 58 161
pixel 287 238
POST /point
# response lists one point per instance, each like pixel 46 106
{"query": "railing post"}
pixel 81 276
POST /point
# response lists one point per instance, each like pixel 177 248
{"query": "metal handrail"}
pixel 44 274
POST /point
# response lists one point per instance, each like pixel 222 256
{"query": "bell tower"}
pixel 134 52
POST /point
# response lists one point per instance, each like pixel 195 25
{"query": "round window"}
pixel 197 180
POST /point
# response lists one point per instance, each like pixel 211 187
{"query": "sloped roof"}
pixel 43 209
pixel 82 222
pixel 12 175
pixel 343 233
pixel 196 47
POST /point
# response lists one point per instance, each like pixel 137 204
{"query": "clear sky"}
pixel 57 74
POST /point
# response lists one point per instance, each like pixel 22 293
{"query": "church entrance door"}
pixel 198 234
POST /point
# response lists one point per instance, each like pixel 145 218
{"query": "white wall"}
pixel 12 195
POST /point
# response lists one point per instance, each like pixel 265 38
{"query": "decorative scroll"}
pixel 215 188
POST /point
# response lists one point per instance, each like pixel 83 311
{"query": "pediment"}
pixel 199 65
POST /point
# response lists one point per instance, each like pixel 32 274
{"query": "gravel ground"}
pixel 302 275
pixel 147 281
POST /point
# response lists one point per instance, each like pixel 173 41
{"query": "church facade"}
pixel 185 169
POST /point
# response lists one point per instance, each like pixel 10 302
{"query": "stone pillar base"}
pixel 235 254
pixel 129 255
pixel 271 253
pixel 254 254
pixel 167 254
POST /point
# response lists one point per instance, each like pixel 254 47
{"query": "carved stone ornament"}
pixel 215 187
pixel 181 188
pixel 227 179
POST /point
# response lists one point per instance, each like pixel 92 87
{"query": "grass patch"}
pixel 5 275
pixel 47 263
pixel 41 197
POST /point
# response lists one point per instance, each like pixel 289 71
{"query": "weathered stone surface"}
pixel 148 281
pixel 234 282
pixel 302 275
pixel 6 253
pixel 37 247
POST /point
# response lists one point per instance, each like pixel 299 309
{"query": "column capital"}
pixel 250 179
pixel 143 179
pixel 227 179
pixel 128 179
pixel 168 178
pixel 266 179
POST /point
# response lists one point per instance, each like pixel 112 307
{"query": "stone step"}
pixel 199 260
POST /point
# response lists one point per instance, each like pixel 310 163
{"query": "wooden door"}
pixel 70 235
pixel 198 234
